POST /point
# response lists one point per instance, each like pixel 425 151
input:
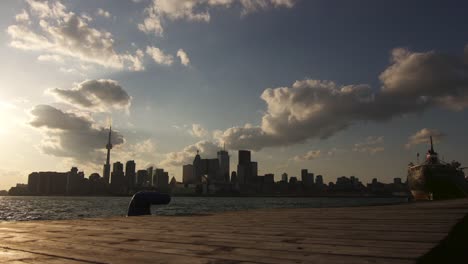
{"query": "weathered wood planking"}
pixel 372 234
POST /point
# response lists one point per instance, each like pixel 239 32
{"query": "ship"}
pixel 435 179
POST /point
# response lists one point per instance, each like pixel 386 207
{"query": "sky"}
pixel 337 87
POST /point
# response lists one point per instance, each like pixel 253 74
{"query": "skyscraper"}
pixel 118 179
pixel 106 171
pixel 223 159
pixel 244 169
pixel 130 174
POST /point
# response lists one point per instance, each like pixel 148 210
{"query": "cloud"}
pixel 310 155
pixel 103 13
pixel 67 34
pixel 143 152
pixel 97 95
pixel 414 82
pixel 71 135
pixel 198 10
pixel 159 56
pixel 51 57
pixel 198 131
pixel 207 149
pixel 184 59
pixel 371 145
pixel 422 137
pixel 23 17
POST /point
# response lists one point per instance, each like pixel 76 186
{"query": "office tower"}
pixel 187 174
pixel 319 180
pixel 244 157
pixel 130 174
pixel 157 175
pixel 307 178
pixel 269 178
pixel 73 182
pixel 106 170
pixel 223 159
pixel 197 168
pixel 118 179
pixel 284 177
pixel 151 174
pixel 244 167
pixel 142 178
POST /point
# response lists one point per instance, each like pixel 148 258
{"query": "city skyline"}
pixel 338 89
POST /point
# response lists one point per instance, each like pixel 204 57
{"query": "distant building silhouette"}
pixel 142 178
pixel 187 174
pixel 130 174
pixel 223 158
pixel 284 177
pixel 118 183
pixel 106 170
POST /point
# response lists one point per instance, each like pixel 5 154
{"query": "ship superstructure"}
pixel 434 179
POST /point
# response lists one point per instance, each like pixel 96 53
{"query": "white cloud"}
pixel 103 13
pixel 310 108
pixel 51 57
pixel 198 10
pixel 184 59
pixel 67 34
pixel 310 155
pixel 23 17
pixel 97 95
pixel 207 149
pixel 423 137
pixel 198 131
pixel 159 56
pixel 371 145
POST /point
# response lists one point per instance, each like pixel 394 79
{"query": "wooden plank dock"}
pixel 372 234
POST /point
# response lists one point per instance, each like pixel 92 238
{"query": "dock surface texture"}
pixel 371 234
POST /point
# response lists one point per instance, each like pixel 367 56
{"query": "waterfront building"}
pixel 130 174
pixel 118 183
pixel 284 177
pixel 187 174
pixel 223 159
pixel 142 178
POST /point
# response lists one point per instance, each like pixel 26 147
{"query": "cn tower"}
pixel 106 172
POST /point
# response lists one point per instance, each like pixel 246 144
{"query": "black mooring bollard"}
pixel 141 202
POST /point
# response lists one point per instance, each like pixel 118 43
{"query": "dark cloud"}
pixel 308 109
pixel 100 95
pixel 71 135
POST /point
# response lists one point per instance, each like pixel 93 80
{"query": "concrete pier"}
pixel 372 234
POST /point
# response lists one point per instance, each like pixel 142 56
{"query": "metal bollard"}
pixel 141 202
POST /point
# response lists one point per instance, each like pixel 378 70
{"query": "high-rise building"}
pixel 106 170
pixel 157 175
pixel 244 167
pixel 142 178
pixel 187 174
pixel 223 159
pixel 118 179
pixel 130 174
pixel 244 157
pixel 151 174
pixel 284 177
pixel 319 180
pixel 307 178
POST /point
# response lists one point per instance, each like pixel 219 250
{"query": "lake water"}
pixel 22 208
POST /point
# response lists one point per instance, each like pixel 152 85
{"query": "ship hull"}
pixel 435 182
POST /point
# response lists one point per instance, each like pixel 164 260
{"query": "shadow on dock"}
pixel 452 249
